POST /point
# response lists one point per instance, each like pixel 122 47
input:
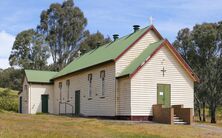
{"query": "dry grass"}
pixel 31 126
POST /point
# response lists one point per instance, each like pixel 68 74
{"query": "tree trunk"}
pixel 204 115
pixel 199 112
pixel 213 114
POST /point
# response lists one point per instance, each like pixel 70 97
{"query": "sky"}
pixel 109 17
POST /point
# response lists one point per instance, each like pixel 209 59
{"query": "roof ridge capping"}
pixel 39 70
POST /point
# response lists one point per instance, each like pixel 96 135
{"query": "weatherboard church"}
pixel 136 77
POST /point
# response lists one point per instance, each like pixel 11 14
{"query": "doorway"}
pixel 163 94
pixel 77 103
pixel 20 104
pixel 45 103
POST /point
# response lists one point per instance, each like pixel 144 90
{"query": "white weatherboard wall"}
pixel 36 91
pixel 135 51
pixel 123 97
pixel 97 106
pixel 25 99
pixel 144 83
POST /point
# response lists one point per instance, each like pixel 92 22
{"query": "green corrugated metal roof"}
pixel 102 54
pixel 140 59
pixel 39 76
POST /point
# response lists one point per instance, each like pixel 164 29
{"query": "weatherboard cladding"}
pixel 137 62
pixel 144 83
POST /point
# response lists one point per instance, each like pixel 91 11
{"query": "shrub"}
pixel 8 101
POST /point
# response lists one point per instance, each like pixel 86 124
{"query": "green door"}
pixel 20 104
pixel 163 94
pixel 45 103
pixel 77 103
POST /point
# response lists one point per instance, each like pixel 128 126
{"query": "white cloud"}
pixel 6 42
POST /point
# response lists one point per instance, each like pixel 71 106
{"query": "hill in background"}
pixel 8 100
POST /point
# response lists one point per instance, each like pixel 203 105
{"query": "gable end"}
pixel 178 57
pixel 148 30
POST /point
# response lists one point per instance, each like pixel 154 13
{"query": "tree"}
pixel 202 49
pixel 11 78
pixel 29 51
pixel 63 26
pixel 184 45
pixel 92 41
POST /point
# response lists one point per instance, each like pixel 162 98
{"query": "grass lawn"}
pixel 50 126
pixel 218 118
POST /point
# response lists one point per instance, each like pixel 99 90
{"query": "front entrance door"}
pixel 163 94
pixel 77 103
pixel 20 104
pixel 45 103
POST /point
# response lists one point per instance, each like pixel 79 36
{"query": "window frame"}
pixel 60 89
pixel 68 85
pixel 90 86
pixel 102 76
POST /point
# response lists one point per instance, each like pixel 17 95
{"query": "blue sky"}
pixel 109 16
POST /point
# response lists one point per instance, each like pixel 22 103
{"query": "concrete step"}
pixel 175 117
pixel 180 123
pixel 178 120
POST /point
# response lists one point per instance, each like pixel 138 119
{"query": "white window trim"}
pixel 103 93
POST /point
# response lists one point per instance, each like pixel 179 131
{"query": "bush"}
pixel 8 100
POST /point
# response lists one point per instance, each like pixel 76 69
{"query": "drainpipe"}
pixel 60 99
pixel 29 103
pixel 115 97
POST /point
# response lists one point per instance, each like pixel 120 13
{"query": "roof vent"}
pixel 136 28
pixel 115 36
pixel 98 44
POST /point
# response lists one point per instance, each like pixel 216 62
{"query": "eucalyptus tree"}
pixel 92 41
pixel 201 47
pixel 29 51
pixel 63 26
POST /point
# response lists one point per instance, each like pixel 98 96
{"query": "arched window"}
pixel 68 84
pixel 90 84
pixel 102 76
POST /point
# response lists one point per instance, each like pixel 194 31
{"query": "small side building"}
pixel 37 94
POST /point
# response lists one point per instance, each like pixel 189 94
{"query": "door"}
pixel 20 104
pixel 45 103
pixel 163 94
pixel 77 103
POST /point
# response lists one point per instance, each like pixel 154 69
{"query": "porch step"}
pixel 178 121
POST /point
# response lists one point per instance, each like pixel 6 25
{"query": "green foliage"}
pixel 11 78
pixel 91 41
pixel 60 34
pixel 8 100
pixel 202 49
pixel 63 26
pixel 29 51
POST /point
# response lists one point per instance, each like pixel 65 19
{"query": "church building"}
pixel 139 76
